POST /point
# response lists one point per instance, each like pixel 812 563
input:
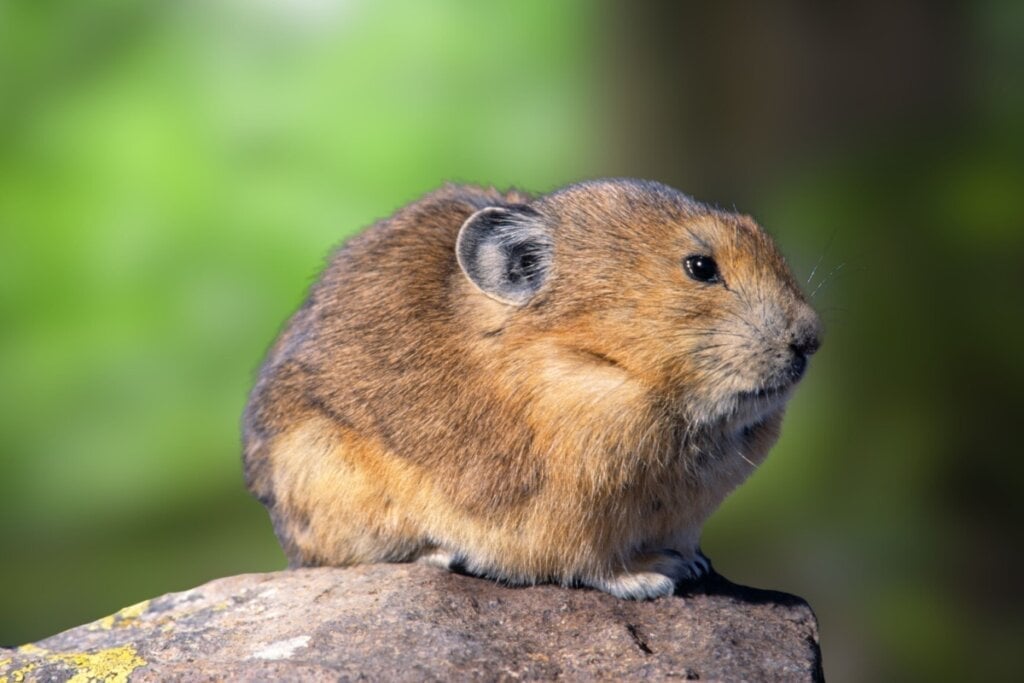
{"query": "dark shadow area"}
pixel 715 584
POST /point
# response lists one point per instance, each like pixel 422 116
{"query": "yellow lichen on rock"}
pixel 18 675
pixel 105 624
pixel 132 612
pixel 112 665
pixel 123 618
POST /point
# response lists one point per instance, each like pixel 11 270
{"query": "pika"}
pixel 535 389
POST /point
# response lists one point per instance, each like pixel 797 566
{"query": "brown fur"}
pixel 584 436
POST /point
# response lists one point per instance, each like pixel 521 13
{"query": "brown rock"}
pixel 414 623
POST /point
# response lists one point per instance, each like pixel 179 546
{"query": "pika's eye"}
pixel 702 268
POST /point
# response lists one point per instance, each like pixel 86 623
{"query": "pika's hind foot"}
pixel 654 575
pixel 695 568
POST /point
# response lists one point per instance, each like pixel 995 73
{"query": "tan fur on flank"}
pixel 581 432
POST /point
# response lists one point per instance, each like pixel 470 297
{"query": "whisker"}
pixel 747 460
pixel 827 278
pixel 823 252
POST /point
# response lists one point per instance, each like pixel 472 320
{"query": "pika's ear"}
pixel 506 252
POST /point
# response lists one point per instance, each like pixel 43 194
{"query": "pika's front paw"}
pixel 637 585
pixel 654 575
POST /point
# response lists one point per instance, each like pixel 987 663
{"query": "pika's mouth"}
pixel 765 393
pixel 755 406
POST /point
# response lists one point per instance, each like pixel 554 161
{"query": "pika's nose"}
pixel 805 341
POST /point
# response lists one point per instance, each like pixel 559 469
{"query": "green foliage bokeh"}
pixel 172 178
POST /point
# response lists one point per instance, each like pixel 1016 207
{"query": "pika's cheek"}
pixel 729 366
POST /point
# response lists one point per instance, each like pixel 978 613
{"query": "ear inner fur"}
pixel 505 252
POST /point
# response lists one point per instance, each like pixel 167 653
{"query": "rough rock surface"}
pixel 414 623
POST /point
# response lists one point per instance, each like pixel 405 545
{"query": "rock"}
pixel 413 622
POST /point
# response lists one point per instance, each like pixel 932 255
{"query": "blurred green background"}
pixel 172 175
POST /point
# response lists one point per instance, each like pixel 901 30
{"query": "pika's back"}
pixel 383 346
